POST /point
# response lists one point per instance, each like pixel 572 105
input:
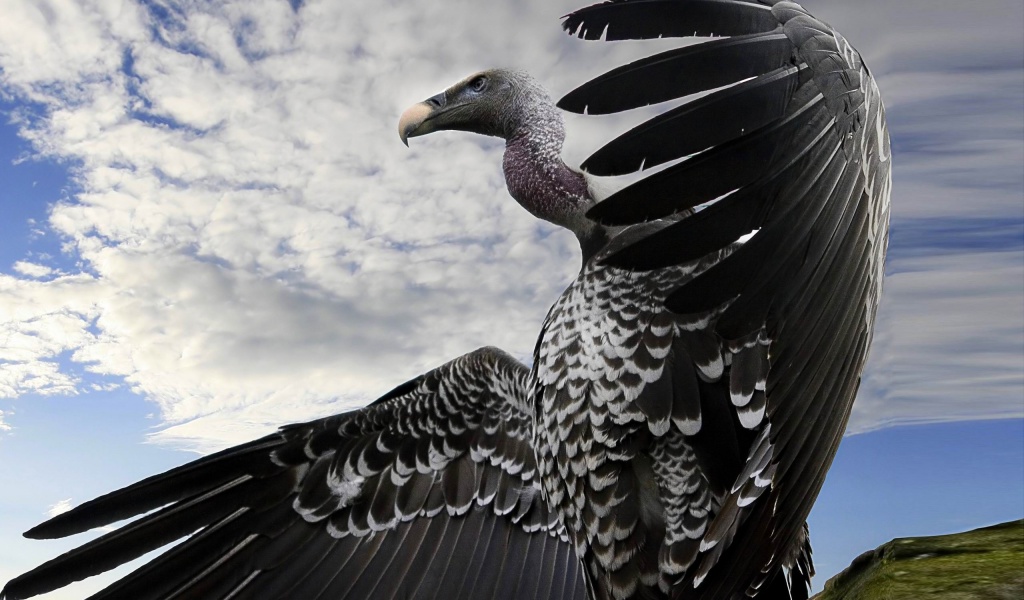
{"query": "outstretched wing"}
pixel 429 492
pixel 796 152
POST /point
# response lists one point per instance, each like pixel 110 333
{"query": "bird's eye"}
pixel 478 83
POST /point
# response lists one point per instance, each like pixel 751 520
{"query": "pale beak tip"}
pixel 411 121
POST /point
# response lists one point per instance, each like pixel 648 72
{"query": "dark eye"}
pixel 478 83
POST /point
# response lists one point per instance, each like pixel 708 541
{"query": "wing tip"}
pixel 57 527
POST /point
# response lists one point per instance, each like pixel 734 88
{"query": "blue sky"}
pixel 209 227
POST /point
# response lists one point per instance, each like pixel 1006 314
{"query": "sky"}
pixel 208 228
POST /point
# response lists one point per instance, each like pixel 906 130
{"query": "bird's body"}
pixel 609 468
pixel 687 391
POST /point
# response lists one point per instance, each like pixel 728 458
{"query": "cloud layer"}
pixel 250 244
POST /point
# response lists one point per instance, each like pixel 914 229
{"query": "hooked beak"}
pixel 418 118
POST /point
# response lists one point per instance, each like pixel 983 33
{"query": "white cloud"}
pixel 257 246
pixel 257 239
pixel 949 342
pixel 39 321
pixel 33 270
pixel 59 507
pixel 4 427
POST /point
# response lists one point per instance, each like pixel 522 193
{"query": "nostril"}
pixel 436 101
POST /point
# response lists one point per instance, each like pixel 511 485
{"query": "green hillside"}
pixel 986 563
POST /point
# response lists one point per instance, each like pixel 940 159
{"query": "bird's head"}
pixel 511 105
pixel 494 102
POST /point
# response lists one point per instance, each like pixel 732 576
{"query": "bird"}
pixel 687 392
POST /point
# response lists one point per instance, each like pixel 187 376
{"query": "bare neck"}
pixel 543 184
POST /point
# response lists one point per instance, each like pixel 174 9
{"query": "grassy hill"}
pixel 986 563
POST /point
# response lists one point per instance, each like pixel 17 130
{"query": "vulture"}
pixel 687 392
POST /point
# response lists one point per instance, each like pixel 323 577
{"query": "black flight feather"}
pixel 645 19
pixel 681 72
pixel 703 178
pixel 690 128
pixel 156 491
